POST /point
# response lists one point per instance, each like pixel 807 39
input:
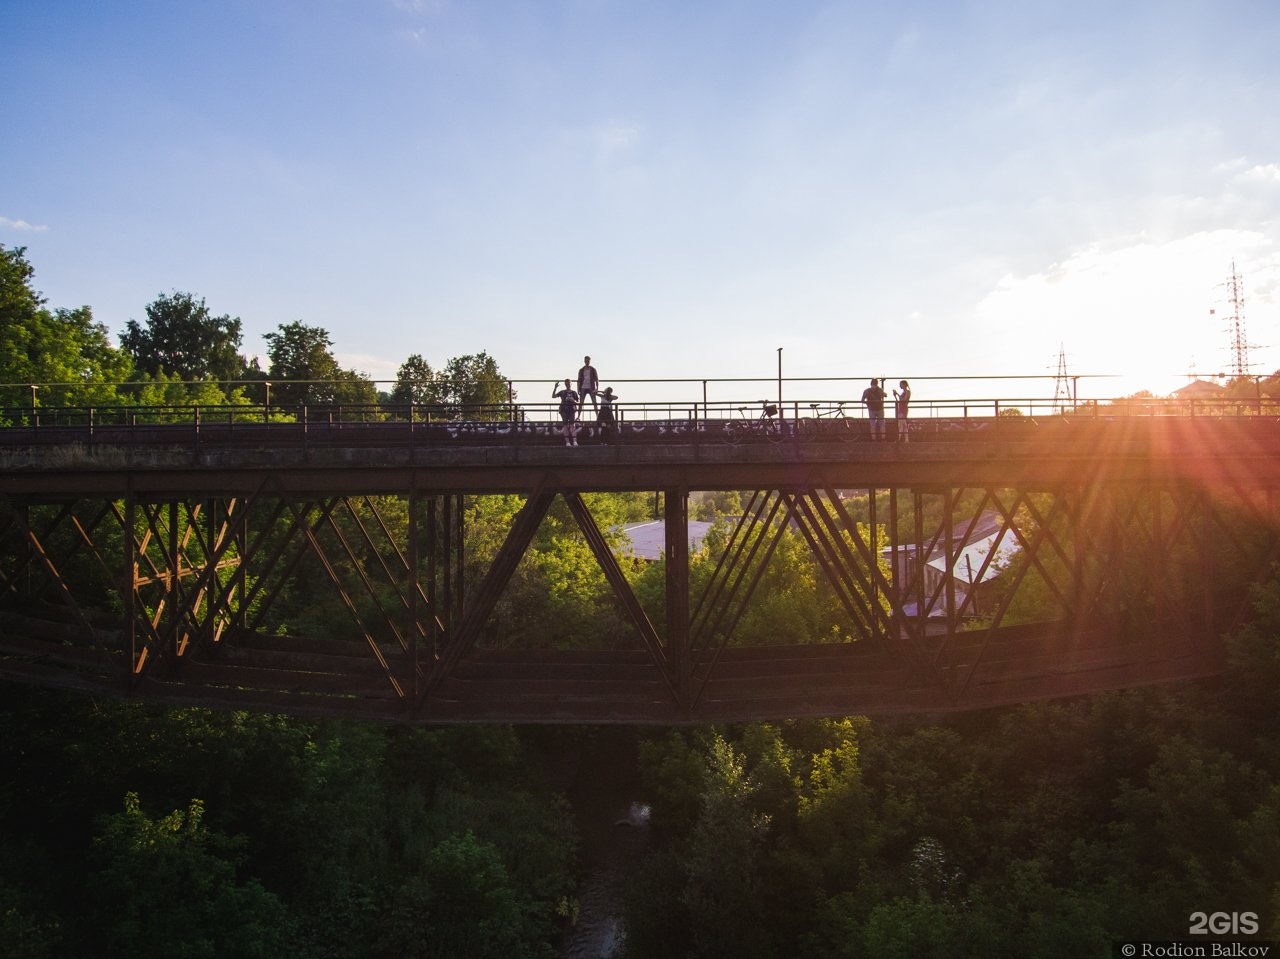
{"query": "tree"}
pixel 415 383
pixel 64 350
pixel 471 910
pixel 183 338
pixel 469 387
pixel 17 299
pixel 472 381
pixel 354 389
pixel 724 863
pixel 166 888
pixel 301 355
pixel 304 370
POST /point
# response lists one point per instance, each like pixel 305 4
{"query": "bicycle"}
pixel 833 423
pixel 763 427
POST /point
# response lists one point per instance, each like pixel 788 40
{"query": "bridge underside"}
pixel 1008 574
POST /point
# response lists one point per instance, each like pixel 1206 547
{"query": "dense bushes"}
pixel 1049 829
pixel 137 831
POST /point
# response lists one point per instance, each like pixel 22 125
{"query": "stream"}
pixel 612 849
pixel 598 770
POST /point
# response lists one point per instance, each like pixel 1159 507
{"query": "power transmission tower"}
pixel 1063 395
pixel 1240 364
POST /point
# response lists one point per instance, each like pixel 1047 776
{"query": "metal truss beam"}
pixel 952 594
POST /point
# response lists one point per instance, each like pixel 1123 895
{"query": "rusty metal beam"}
pixel 1075 503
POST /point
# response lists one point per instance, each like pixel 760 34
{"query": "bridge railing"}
pixel 50 424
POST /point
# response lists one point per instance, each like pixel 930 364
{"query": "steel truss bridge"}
pixel 147 560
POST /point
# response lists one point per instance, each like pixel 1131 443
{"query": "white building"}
pixel 970 570
pixel 649 539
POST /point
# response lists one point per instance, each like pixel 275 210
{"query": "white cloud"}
pixel 21 225
pixel 1234 165
pixel 1264 173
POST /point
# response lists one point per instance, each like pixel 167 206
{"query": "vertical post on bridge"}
pixel 949 525
pixel 240 533
pixel 446 552
pixel 173 593
pixel 412 586
pixel 917 574
pixel 433 599
pixel 896 559
pixel 676 517
pixel 874 521
pixel 129 579
pixel 782 414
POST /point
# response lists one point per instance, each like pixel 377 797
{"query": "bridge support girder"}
pixel 949 597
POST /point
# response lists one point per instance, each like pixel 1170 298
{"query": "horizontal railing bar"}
pixel 124 414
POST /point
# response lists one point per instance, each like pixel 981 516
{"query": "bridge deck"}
pixel 394 457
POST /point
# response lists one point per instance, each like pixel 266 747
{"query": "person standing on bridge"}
pixel 568 411
pixel 901 405
pixel 588 384
pixel 873 399
pixel 608 425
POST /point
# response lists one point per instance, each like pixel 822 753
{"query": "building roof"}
pixel 971 556
pixel 983 531
pixel 1198 388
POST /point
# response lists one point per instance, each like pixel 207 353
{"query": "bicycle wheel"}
pixel 735 431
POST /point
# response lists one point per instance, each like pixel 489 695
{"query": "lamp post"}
pixel 781 414
pixel 266 410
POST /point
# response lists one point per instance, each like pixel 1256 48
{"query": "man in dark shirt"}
pixel 873 398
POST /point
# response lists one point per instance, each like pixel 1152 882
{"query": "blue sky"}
pixel 910 189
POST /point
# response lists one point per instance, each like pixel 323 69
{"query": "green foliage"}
pixel 472 909
pixel 415 383
pixel 558 596
pixel 1254 656
pixel 472 381
pixel 710 506
pixel 64 349
pixel 167 888
pixel 915 928
pixel 25 932
pixel 794 601
pixel 336 825
pixel 162 390
pixel 468 387
pixel 304 371
pixel 1049 829
pixel 184 340
pixel 723 875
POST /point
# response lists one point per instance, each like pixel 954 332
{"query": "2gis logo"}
pixel 1223 924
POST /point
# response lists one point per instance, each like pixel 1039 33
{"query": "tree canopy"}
pixel 65 349
pixel 466 386
pixel 303 369
pixel 183 338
